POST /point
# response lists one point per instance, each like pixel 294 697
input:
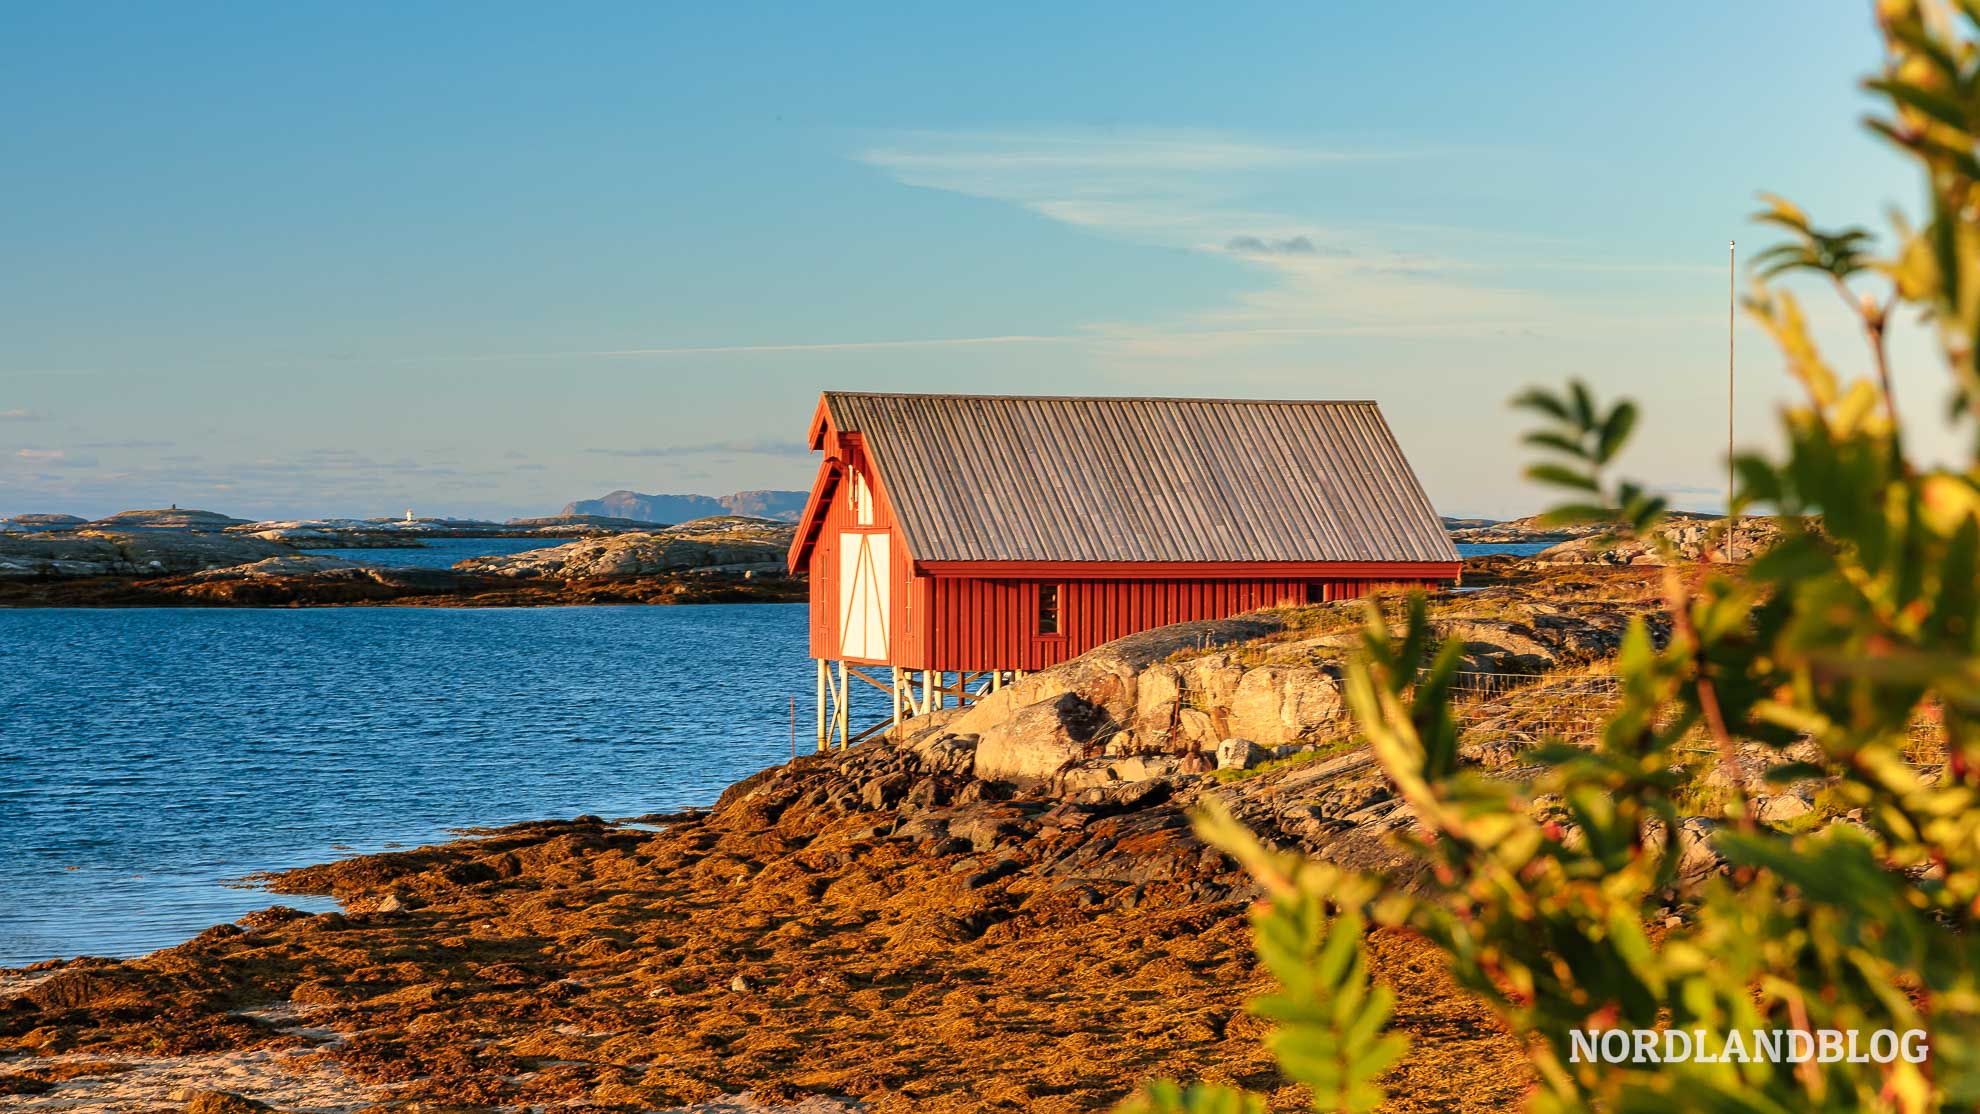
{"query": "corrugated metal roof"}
pixel 998 478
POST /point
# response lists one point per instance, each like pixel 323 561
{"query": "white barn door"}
pixel 863 602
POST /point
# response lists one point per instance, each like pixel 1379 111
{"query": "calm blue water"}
pixel 1483 549
pixel 441 553
pixel 148 755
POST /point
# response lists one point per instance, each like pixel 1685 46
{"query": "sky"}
pixel 482 260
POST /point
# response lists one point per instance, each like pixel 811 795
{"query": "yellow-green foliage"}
pixel 1290 761
pixel 1841 639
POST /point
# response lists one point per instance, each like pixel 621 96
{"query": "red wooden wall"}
pixel 975 623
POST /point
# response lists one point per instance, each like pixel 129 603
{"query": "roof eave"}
pixel 1178 570
pixel 813 519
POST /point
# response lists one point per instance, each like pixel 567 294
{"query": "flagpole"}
pixel 1732 252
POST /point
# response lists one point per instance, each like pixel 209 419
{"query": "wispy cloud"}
pixel 126 443
pixel 834 346
pixel 762 447
pixel 1326 269
pixel 52 458
pixel 1292 245
pixel 22 416
pixel 798 347
pixel 1163 188
pixel 934 155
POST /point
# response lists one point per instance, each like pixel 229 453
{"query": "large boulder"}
pixel 1278 704
pixel 1212 680
pixel 1158 698
pixel 1196 729
pixel 1039 740
pixel 1240 754
pixel 1110 676
pixel 1097 681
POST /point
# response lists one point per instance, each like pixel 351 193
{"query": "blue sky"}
pixel 486 259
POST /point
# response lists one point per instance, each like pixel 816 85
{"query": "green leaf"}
pixel 1559 442
pixel 1615 431
pixel 1582 404
pixel 1543 402
pixel 1939 107
pixel 1562 476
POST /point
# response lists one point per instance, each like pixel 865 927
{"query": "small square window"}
pixel 1048 609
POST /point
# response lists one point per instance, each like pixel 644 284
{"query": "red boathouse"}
pixel 987 536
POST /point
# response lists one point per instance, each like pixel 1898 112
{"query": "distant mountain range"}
pixel 782 505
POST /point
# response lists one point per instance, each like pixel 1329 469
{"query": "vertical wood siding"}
pixel 823 566
pixel 992 624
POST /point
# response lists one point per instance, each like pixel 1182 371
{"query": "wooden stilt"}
pixel 821 704
pixel 996 680
pixel 844 727
pixel 897 700
pixel 927 691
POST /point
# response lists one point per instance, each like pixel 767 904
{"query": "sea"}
pixel 151 758
pixel 439 553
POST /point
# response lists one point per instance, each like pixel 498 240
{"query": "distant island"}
pixel 181 557
pixel 784 506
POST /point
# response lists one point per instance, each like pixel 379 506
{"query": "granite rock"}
pixel 728 544
pixel 92 552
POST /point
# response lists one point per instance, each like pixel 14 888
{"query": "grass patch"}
pixel 1290 761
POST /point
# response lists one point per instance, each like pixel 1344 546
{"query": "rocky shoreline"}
pixel 1006 909
pixel 194 558
pixel 863 930
pixel 726 560
pixel 397 587
pixel 326 533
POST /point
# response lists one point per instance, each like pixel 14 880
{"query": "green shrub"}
pixel 1841 638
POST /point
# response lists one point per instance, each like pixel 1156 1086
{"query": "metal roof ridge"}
pixel 1113 398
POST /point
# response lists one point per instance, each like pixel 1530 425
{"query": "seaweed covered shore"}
pixel 860 926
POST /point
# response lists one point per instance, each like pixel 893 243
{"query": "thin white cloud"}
pixel 794 347
pixel 1165 188
pixel 756 447
pixel 831 346
pixel 738 349
pixel 21 415
pixel 51 458
pixel 1327 270
pixel 934 154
